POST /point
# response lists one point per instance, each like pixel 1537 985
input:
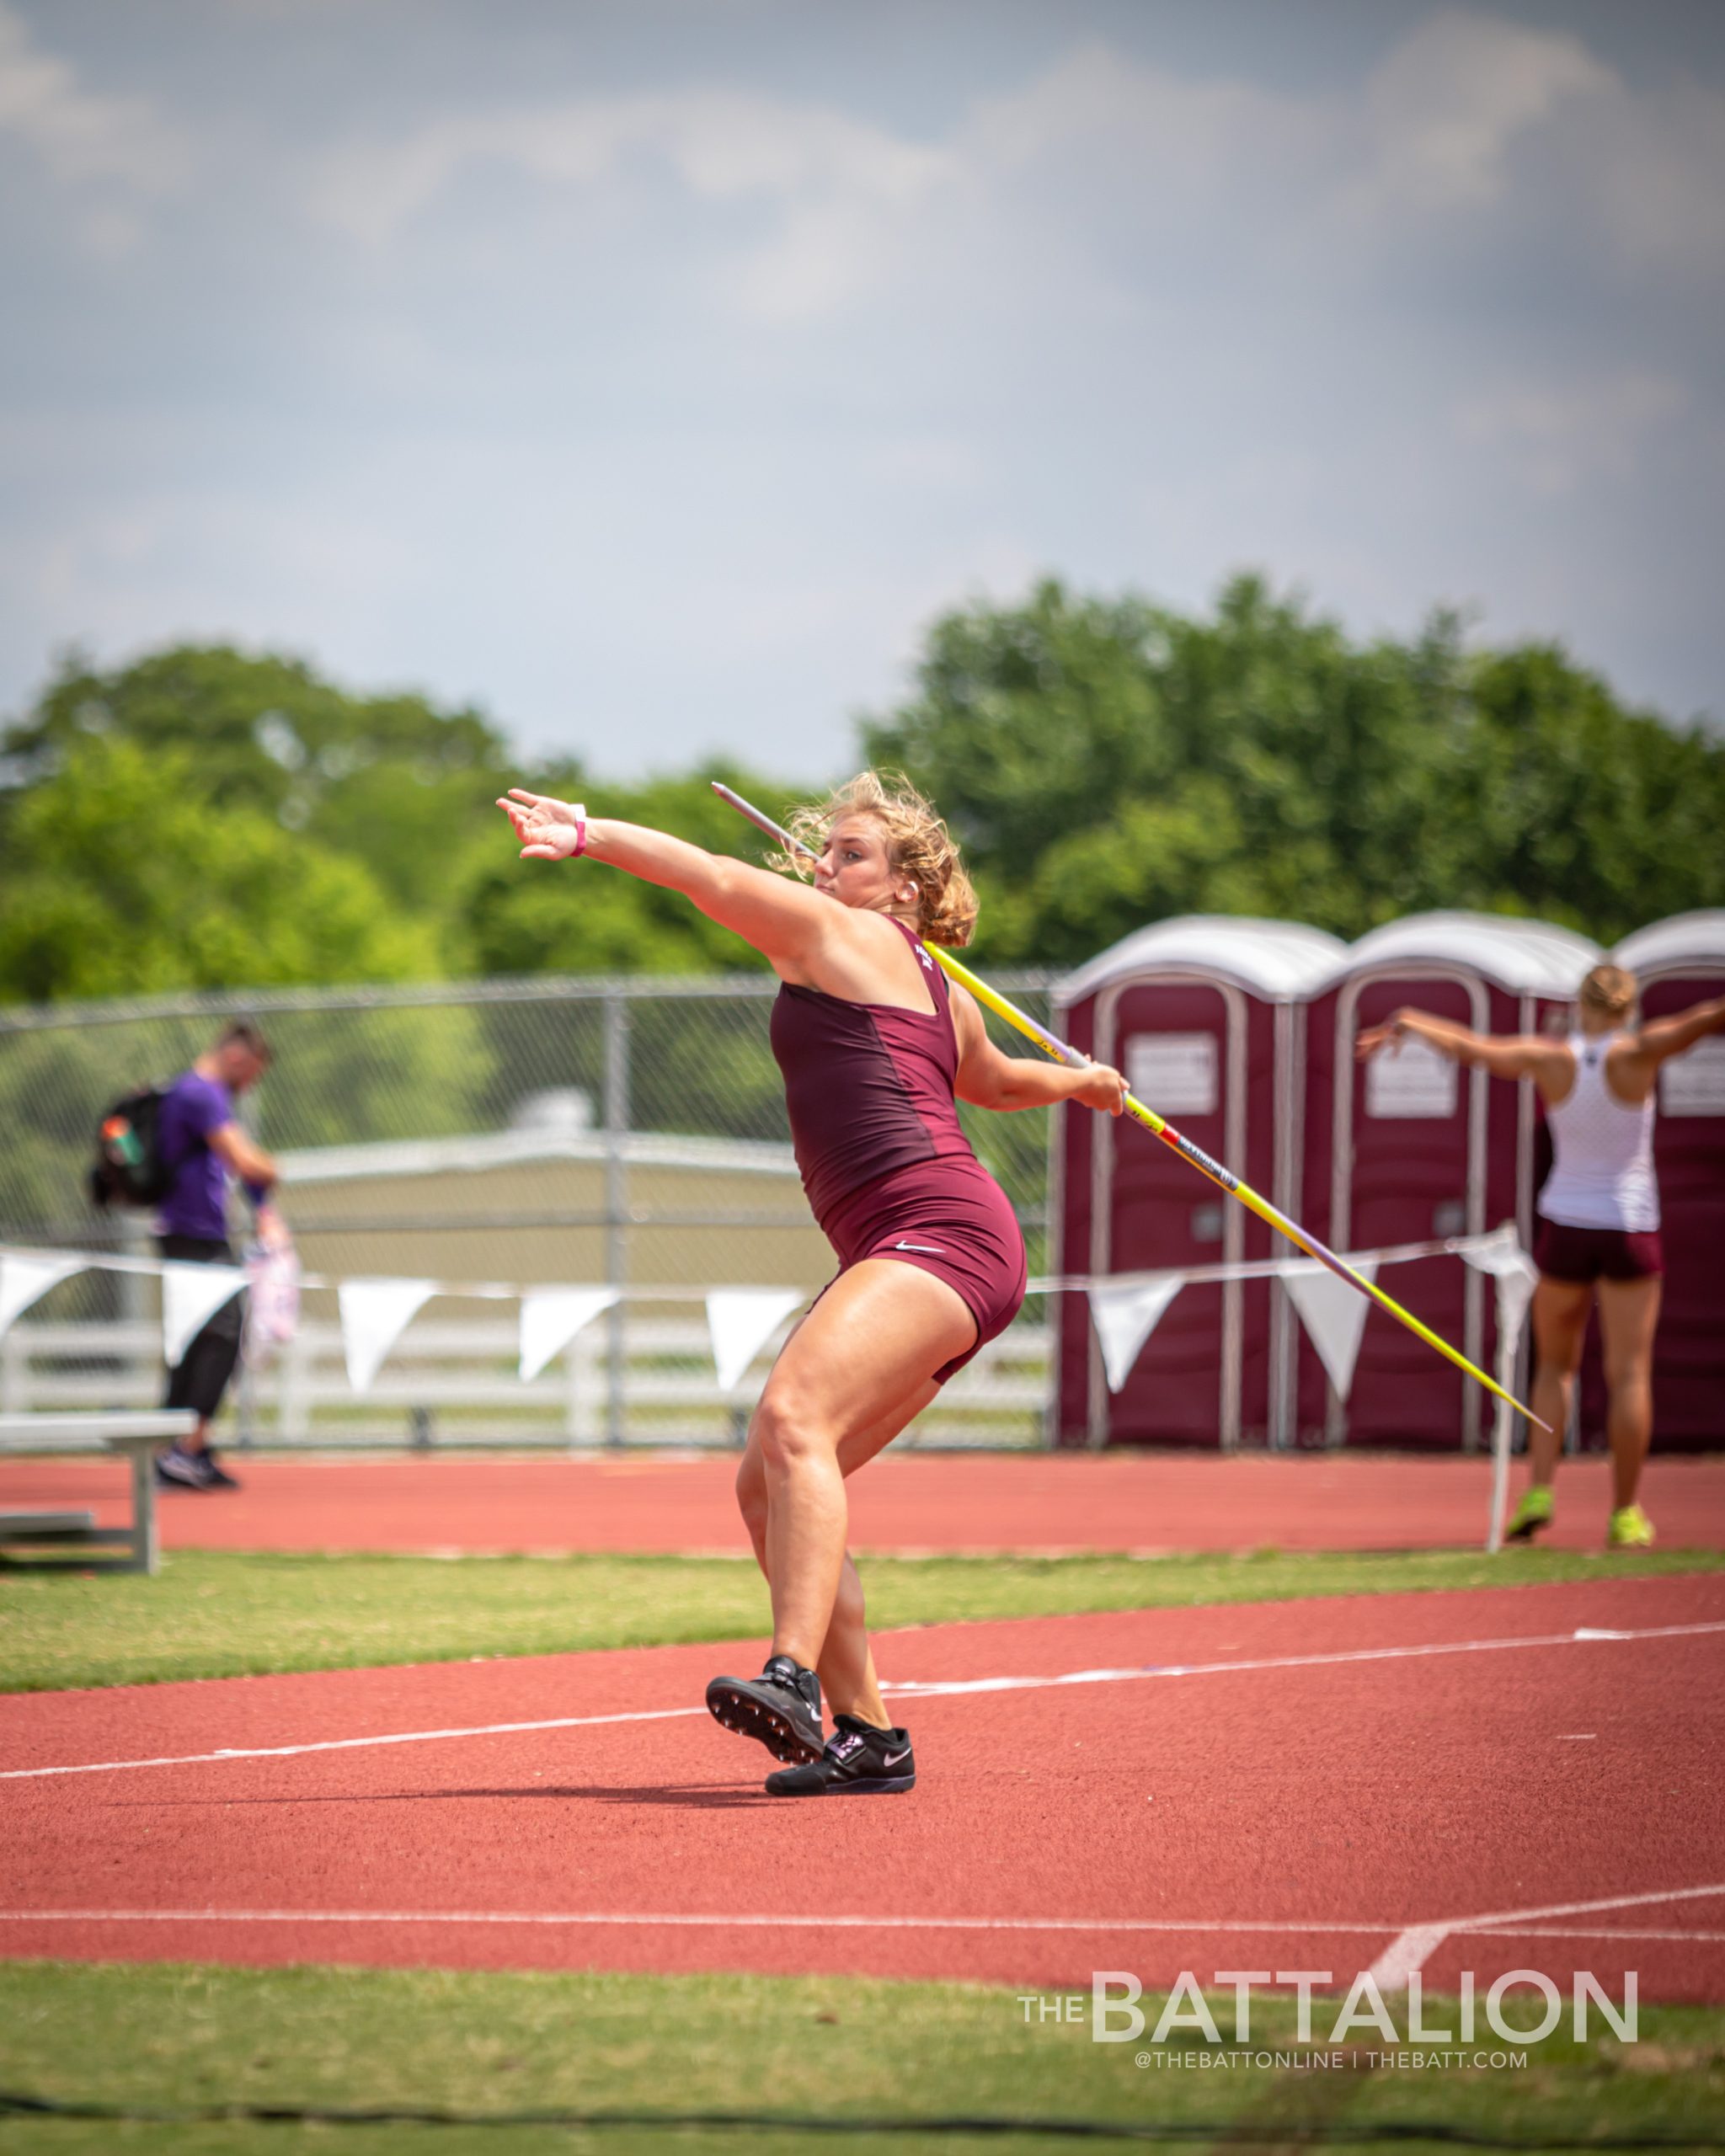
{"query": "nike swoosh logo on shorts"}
pixel 927 1250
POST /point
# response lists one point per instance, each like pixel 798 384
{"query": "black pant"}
pixel 200 1377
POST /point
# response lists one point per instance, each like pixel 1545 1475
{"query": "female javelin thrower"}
pixel 1599 1217
pixel 874 1043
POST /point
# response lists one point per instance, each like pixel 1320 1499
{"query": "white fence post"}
pixel 617 1207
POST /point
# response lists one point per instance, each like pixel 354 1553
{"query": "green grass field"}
pixel 836 2050
pixel 222 1614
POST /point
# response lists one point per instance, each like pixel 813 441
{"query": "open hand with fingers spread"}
pixel 549 829
pixel 1374 1039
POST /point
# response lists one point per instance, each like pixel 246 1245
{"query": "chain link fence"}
pixel 628 1131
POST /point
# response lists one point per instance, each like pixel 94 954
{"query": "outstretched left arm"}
pixel 783 920
pixel 1667 1037
pixel 987 1078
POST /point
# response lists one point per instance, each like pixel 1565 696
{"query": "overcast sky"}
pixel 651 374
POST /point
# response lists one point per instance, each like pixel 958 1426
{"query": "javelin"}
pixel 1063 1053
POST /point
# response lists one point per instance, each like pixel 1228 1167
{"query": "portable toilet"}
pixel 1413 1148
pixel 1679 962
pixel 1204 1015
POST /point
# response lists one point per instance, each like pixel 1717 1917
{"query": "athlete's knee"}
pixel 1627 1374
pixel 1559 1348
pixel 790 1433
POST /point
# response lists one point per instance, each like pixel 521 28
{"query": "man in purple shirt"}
pixel 201 1143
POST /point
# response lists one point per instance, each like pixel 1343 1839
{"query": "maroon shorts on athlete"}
pixel 948 1217
pixel 1564 1252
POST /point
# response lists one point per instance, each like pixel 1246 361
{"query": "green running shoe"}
pixel 1531 1514
pixel 1630 1530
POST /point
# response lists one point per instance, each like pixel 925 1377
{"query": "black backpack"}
pixel 128 1168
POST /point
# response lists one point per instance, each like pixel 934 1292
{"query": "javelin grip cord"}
pixel 1063 1052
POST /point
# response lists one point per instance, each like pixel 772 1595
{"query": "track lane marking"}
pixel 346 1743
pixel 1303 1927
pixel 1583 1635
pixel 766 1921
pixel 1408 1954
pixel 910 1688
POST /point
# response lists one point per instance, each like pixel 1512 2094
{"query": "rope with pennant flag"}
pixel 1124 1307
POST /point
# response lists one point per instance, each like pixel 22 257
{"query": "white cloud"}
pixel 1081 169
pixel 1558 436
pixel 1655 166
pixel 722 145
pixel 1447 107
pixel 1121 118
pixel 78 135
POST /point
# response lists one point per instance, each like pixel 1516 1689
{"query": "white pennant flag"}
pixel 1125 1316
pixel 191 1296
pixel 1334 1313
pixel 551 1317
pixel 25 1277
pixel 1516 1274
pixel 374 1315
pixel 740 1321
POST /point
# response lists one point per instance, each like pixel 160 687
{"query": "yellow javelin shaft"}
pixel 1062 1052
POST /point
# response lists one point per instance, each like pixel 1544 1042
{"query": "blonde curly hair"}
pixel 918 845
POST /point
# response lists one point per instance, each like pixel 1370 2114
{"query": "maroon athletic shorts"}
pixel 950 1217
pixel 1564 1252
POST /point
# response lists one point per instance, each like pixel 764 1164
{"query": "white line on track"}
pixel 771 1921
pixel 1409 1951
pixel 1584 1636
pixel 775 1920
pixel 346 1743
pixel 1604 1933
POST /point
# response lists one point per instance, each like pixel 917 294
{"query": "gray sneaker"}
pixel 176 1469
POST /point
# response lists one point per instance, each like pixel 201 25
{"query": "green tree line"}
pixel 1109 762
pixel 207 819
pixel 204 819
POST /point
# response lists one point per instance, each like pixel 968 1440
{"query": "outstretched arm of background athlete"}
pixel 1664 1037
pixel 988 1079
pixel 1504 1055
pixel 780 919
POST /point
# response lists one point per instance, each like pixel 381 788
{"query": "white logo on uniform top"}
pixel 927 1250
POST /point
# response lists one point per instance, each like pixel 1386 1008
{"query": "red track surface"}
pixel 1289 1803
pixel 987 1502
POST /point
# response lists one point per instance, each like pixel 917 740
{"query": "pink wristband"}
pixel 580 809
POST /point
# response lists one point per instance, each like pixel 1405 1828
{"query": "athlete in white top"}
pixel 1598 1215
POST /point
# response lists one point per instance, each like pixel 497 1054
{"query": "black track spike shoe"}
pixel 860 1760
pixel 780 1707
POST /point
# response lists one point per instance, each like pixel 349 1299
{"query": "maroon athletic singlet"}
pixel 888 1170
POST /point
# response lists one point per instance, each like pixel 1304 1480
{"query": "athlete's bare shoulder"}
pixel 1631 1071
pixel 863 957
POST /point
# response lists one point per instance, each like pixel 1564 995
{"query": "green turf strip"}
pixel 834 2049
pixel 220 1613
